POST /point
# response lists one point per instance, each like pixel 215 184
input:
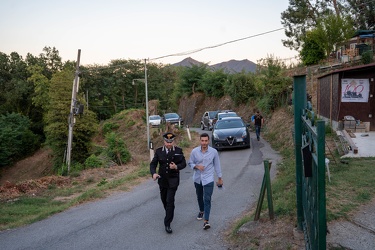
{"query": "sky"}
pixel 160 31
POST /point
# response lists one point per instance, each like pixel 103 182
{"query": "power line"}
pixel 188 52
pixel 214 46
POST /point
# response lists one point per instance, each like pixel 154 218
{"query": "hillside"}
pixel 40 165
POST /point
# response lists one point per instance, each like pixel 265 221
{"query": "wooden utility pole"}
pixel 71 119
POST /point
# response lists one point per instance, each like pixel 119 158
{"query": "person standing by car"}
pixel 258 122
pixel 204 160
pixel 171 160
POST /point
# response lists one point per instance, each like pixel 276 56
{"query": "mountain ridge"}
pixel 231 66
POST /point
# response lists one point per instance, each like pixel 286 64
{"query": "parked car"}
pixel 230 132
pixel 207 119
pixel 172 118
pixel 221 114
pixel 154 120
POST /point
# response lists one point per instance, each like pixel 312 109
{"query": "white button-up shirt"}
pixel 211 162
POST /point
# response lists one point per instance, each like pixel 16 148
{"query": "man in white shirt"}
pixel 204 160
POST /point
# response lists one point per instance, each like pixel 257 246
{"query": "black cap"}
pixel 169 137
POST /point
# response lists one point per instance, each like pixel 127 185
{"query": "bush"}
pixel 367 57
pixel 116 149
pixel 109 127
pixel 16 138
pixel 93 162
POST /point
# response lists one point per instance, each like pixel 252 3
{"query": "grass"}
pixel 25 210
pixel 351 185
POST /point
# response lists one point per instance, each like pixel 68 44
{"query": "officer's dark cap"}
pixel 169 137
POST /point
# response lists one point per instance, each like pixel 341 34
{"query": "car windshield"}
pixel 226 115
pixel 154 117
pixel 225 124
pixel 171 115
pixel 211 114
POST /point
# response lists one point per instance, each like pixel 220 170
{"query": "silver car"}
pixel 207 120
pixel 154 120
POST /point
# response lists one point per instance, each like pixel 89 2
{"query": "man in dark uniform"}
pixel 171 160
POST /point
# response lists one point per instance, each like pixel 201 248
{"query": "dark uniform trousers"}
pixel 169 178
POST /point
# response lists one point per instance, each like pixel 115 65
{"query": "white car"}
pixel 154 120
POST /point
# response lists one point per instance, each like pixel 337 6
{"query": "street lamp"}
pixel 148 127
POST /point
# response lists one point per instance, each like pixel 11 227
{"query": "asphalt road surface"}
pixel 134 220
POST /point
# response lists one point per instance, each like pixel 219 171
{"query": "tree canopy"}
pixel 302 16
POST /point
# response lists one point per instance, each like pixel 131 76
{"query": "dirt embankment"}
pixel 192 108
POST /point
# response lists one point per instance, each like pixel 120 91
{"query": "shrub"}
pixel 116 149
pixel 93 162
pixel 109 127
pixel 16 138
pixel 367 57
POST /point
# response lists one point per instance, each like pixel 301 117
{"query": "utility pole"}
pixel 71 119
pixel 148 125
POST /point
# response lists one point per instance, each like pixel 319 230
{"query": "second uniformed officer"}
pixel 171 160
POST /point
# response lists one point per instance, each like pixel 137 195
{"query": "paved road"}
pixel 134 220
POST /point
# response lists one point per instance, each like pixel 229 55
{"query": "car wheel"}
pixel 202 126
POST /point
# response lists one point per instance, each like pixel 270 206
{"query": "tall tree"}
pixel 57 120
pixel 362 12
pixel 332 30
pixel 213 83
pixel 312 52
pixel 52 61
pixel 191 79
pixel 302 15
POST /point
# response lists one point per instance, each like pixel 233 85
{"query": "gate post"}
pixel 299 103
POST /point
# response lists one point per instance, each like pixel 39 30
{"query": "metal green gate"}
pixel 309 138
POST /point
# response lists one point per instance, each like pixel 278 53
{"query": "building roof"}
pixel 348 69
pixel 363 32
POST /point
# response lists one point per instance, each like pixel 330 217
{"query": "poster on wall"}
pixel 355 90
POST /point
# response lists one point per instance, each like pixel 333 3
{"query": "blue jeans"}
pixel 257 131
pixel 204 194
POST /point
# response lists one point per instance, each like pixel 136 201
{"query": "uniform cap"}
pixel 169 137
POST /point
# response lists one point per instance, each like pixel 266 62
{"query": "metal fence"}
pixel 310 169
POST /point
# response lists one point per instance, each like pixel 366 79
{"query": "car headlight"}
pixel 244 134
pixel 215 135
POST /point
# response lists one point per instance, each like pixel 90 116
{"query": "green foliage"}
pixel 299 17
pixel 332 30
pixel 312 52
pixel 184 143
pixel 130 123
pixel 335 18
pixel 116 149
pixel 102 182
pixel 241 87
pixel 191 79
pixel 213 83
pixel 93 162
pixel 16 138
pixel 367 57
pixel 272 83
pixel 109 127
pixel 56 119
